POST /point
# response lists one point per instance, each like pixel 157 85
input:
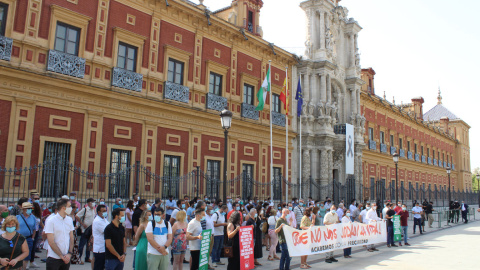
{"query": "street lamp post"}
pixel 478 190
pixel 449 197
pixel 395 159
pixel 226 119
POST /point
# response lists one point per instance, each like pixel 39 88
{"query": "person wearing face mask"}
pixel 140 252
pixel 355 215
pixel 98 228
pixel 181 206
pixel 13 247
pixel 363 213
pixel 298 211
pixel 404 223
pixel 389 217
pixel 328 203
pixel 398 208
pixel 141 206
pixel 281 222
pixel 17 209
pixel 210 226
pixel 194 235
pixel 219 224
pixel 291 219
pixel 115 243
pixel 3 215
pixel 372 216
pixel 352 206
pixel 330 219
pixel 59 231
pixel 170 205
pixel 251 221
pixel 85 219
pixel 73 199
pixel 235 207
pixel 27 223
pixel 118 204
pixel 346 219
pixel 306 224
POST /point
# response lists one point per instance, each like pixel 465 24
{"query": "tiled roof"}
pixel 222 9
pixel 438 112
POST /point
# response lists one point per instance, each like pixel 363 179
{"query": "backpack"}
pixel 167 224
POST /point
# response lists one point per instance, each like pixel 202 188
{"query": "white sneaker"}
pixel 214 265
pixel 220 263
pixel 34 265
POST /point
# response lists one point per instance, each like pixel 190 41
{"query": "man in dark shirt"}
pixel 456 210
pixel 141 206
pixel 389 216
pixel 404 223
pixel 428 211
pixel 115 243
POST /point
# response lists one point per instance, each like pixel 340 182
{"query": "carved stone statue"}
pixel 329 40
pixel 357 58
pixel 311 108
pixel 308 48
pixel 334 111
pixel 320 108
pixel 328 109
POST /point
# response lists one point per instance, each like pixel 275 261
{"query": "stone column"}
pixel 322 30
pixel 353 99
pixel 306 170
pixel 306 84
pixel 314 88
pixel 329 89
pixel 323 87
pixel 340 107
pixel 358 100
pixel 352 50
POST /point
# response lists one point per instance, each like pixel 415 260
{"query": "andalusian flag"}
pixel 284 95
pixel 262 94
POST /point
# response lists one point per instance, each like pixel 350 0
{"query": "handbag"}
pixel 13 250
pixel 228 248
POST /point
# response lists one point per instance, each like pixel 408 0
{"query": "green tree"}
pixel 474 179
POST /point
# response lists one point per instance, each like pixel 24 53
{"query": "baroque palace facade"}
pixel 107 84
pixel 427 143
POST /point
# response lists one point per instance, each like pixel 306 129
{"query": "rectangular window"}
pixel 3 18
pixel 433 153
pixel 370 134
pixel 250 21
pixel 400 143
pixel 120 173
pixel 171 176
pixel 428 152
pixel 392 140
pixel 277 184
pixel 415 148
pixel 276 103
pixel 248 94
pixel 382 137
pixel 127 57
pixel 408 146
pixel 67 39
pixel 213 178
pixel 247 181
pixel 421 149
pixel 215 84
pixel 56 160
pixel 175 71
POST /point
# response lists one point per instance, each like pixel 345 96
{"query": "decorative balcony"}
pixel 127 79
pixel 176 92
pixel 429 159
pixel 215 102
pixel 417 157
pixel 392 150
pixel 440 163
pixel 435 162
pixel 402 153
pixel 340 129
pixel 453 166
pixel 278 119
pixel 424 159
pixel 372 145
pixel 445 164
pixel 5 48
pixel 383 148
pixel 409 155
pixel 66 64
pixel 248 111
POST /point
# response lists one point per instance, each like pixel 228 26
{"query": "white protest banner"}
pixel 320 239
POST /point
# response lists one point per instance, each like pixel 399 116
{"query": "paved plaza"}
pixel 448 247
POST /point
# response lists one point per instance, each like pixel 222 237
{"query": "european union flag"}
pixel 299 98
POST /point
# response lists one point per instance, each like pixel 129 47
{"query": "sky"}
pixel 414 46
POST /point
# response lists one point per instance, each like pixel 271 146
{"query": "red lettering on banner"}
pixel 363 232
pixel 299 238
pixel 330 234
pixel 316 235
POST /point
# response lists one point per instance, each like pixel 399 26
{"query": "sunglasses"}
pixel 11 243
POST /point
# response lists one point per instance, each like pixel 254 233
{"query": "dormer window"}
pixel 250 21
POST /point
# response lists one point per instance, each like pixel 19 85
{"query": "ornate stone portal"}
pixel 330 74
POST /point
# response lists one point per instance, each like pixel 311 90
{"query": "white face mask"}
pixel 93 204
pixel 68 210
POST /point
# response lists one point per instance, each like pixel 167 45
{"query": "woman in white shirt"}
pixel 272 221
pixel 346 219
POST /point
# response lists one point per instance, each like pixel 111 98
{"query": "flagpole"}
pixel 286 132
pixel 271 131
pixel 300 147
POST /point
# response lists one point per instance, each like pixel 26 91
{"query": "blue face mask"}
pixel 122 220
pixel 37 201
pixel 211 212
pixel 11 207
pixel 255 216
pixel 105 214
pixel 150 218
pixel 279 208
pixel 11 229
pixel 203 218
pixel 224 213
pixel 333 211
pixel 348 214
pixel 301 204
pixel 237 208
pixel 29 211
pixel 149 208
pixel 183 206
pixel 195 205
pixel 158 219
pixel 289 208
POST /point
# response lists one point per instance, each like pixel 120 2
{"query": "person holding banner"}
pixel 234 223
pixel 372 216
pixel 305 224
pixel 389 216
pixel 330 219
pixel 194 235
pixel 346 219
pixel 285 258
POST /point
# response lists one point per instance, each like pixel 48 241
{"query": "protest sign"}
pixel 320 239
pixel 246 248
pixel 397 229
pixel 204 249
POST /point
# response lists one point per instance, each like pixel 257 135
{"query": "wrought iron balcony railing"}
pixel 383 148
pixel 417 157
pixel 372 145
pixel 5 48
pixel 402 153
pixel 340 129
pixel 435 162
pixel 176 92
pixel 392 150
pixel 66 64
pixel 127 79
pixel 409 155
pixel 424 159
pixel 429 160
pixel 278 119
pixel 248 111
pixel 215 102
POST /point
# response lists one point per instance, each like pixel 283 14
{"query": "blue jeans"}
pixel 285 258
pixel 417 221
pixel 83 242
pixel 390 235
pixel 217 248
pixel 347 251
pixel 99 263
pixel 113 264
pixel 405 234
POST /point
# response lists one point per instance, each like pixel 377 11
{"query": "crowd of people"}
pixel 162 232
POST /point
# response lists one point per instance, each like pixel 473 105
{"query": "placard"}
pixel 205 249
pixel 349 149
pixel 397 229
pixel 246 248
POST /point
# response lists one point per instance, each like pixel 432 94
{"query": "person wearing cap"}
pixel 34 197
pixel 73 198
pixel 17 209
pixel 85 218
pixel 27 222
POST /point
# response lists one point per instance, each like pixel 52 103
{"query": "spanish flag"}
pixel 284 95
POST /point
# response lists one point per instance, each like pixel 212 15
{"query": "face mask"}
pixel 368 208
pixel 11 229
pixel 289 208
pixel 102 203
pixel 333 211
pixel 224 213
pixel 72 197
pixel 211 212
pixel 10 208
pixel 195 205
pixel 321 205
pixel 29 211
pixel 348 214
pixel 37 201
pixel 50 210
pixel 403 208
pixel 120 202
pixel 255 216
pixel 206 199
pixel 68 210
pixel 203 218
pixel 150 218
pixel 237 208
pixel 241 202
pixel 183 206
pixel 122 219
pixel 158 219
pixel 301 204
pixel 138 198
pixel 105 214
pixel 5 214
pixel 318 213
pixel 375 208
pixel 399 205
pixel 384 205
pixel 76 210
pixel 149 208
pixel 93 204
pixel 279 208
